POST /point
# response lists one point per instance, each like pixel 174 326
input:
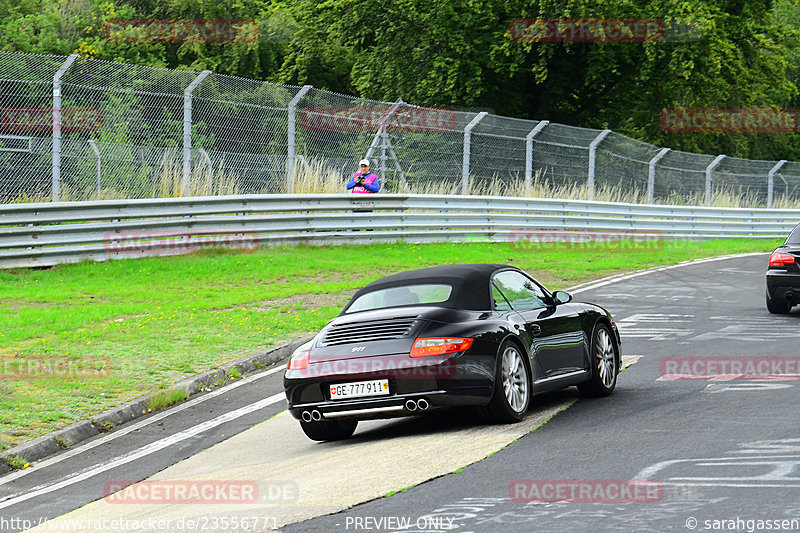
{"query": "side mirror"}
pixel 562 297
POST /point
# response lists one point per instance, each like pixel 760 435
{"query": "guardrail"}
pixel 47 234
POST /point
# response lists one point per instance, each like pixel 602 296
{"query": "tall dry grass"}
pixel 203 182
pixel 320 179
pixel 314 177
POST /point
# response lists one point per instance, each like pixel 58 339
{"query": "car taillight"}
pixel 780 260
pixel 299 360
pixel 439 346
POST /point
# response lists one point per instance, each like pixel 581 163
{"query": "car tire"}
pixel 604 362
pixel 512 387
pixel 777 307
pixel 325 430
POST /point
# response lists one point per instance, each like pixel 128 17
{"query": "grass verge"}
pixel 78 339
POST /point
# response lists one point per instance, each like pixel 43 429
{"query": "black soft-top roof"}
pixel 470 283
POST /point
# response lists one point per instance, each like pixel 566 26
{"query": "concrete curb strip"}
pixel 49 444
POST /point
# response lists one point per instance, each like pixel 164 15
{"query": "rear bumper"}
pixel 441 381
pixel 782 285
pixel 391 406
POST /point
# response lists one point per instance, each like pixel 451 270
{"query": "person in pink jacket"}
pixel 363 181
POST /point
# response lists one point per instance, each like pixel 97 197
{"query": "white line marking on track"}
pixel 138 425
pixel 713 388
pixel 147 450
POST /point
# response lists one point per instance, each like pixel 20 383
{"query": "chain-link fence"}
pixel 79 129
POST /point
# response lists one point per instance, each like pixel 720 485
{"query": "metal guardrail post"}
pixel 593 158
pixel 290 147
pixel 529 154
pixel 57 125
pixel 97 164
pixel 467 142
pixel 651 174
pixel 187 130
pixel 771 182
pixel 709 169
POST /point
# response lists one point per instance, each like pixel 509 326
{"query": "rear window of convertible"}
pixel 403 295
pixel 794 236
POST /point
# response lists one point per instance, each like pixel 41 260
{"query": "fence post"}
pixel 651 174
pixel 467 141
pixel 709 169
pixel 187 130
pixel 97 164
pixel 593 157
pixel 771 182
pixel 290 147
pixel 529 154
pixel 57 125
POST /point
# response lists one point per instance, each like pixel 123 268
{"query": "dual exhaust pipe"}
pixel 418 405
pixel 314 415
pixel 411 406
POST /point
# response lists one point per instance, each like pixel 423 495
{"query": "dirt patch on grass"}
pixel 16 305
pixel 308 301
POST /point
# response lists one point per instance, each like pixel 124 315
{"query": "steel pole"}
pixel 651 174
pixel 771 182
pixel 529 154
pixel 709 169
pixel 467 142
pixel 187 130
pixel 592 159
pixel 57 125
pixel 290 147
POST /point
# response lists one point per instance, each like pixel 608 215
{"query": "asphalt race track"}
pixel 723 449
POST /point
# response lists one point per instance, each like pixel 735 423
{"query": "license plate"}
pixel 360 389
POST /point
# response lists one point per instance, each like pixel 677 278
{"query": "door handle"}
pixel 536 329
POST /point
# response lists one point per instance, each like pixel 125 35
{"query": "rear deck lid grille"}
pixel 369 330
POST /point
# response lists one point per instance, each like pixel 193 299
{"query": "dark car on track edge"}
pixel 483 335
pixel 783 275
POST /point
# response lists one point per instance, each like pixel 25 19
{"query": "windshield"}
pixel 401 296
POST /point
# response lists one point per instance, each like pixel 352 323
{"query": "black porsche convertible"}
pixel 481 335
